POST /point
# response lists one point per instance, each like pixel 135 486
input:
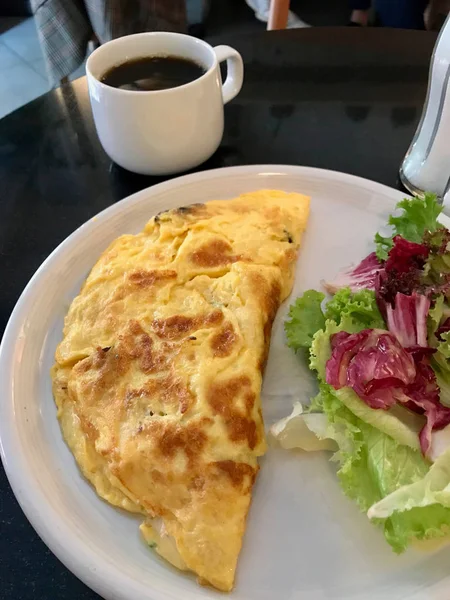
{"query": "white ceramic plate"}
pixel 304 540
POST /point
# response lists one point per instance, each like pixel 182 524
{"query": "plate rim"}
pixel 9 442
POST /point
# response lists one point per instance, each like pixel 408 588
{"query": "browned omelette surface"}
pixel 158 377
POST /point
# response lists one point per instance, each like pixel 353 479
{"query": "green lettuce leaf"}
pixel 443 347
pixel 360 306
pixel 347 311
pixel 440 361
pixel 398 423
pixel 372 465
pixel 419 216
pixel 305 318
pixel 434 319
pixel 438 263
pixel 432 488
pixel 320 350
pixel 356 311
pixel 425 502
pixel 383 246
pixel 442 370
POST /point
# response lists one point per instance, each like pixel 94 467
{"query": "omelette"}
pixel 157 379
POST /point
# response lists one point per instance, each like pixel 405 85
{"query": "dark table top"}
pixel 343 99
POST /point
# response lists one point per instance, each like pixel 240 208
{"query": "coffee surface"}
pixel 151 73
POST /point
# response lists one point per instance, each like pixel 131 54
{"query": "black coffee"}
pixel 153 73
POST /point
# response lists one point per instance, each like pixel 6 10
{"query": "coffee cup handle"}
pixel 235 75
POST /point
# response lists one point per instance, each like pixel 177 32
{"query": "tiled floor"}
pixel 22 68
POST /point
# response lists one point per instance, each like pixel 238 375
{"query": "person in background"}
pixel 67 27
pixel 359 16
pixel 261 9
pixel 405 14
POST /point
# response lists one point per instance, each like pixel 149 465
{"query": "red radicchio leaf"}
pixel 418 352
pixel 423 398
pixel 405 256
pixel 407 319
pixel 388 285
pixel 344 347
pixel 402 272
pixel 373 364
pixel 363 276
pixel 382 373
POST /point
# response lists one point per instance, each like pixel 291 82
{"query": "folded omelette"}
pixel 158 377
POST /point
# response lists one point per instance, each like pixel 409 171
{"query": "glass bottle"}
pixel 426 166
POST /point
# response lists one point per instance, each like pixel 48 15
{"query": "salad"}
pixel 380 349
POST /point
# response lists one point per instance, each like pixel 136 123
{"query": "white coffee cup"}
pixel 164 131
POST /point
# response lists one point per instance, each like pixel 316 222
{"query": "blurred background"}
pixel 36 35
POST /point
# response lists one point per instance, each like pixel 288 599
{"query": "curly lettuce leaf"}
pixel 383 245
pixel 442 369
pixel 320 350
pixel 360 306
pixel 437 268
pixel 358 310
pixel 443 347
pixel 305 319
pixel 440 362
pixel 434 318
pixel 419 216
